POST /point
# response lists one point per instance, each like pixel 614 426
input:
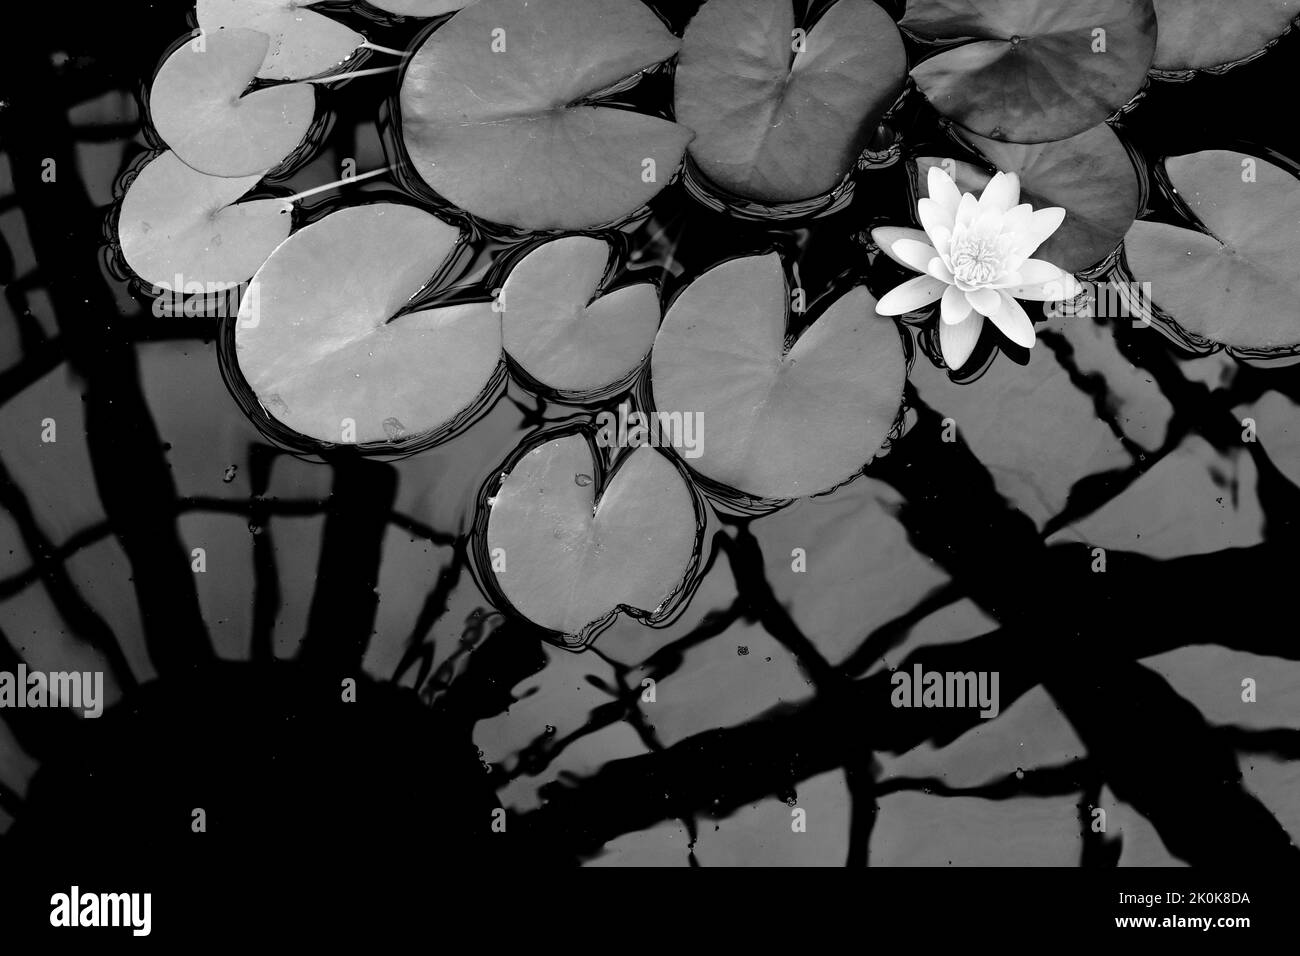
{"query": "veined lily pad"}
pixel 781 116
pixel 778 423
pixel 493 120
pixel 1033 70
pixel 561 331
pixel 419 8
pixel 176 221
pixel 1202 34
pixel 302 41
pixel 1236 283
pixel 198 108
pixel 318 343
pixel 1090 175
pixel 566 560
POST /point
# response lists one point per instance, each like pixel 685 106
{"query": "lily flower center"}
pixel 977 261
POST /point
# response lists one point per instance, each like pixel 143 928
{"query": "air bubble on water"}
pixel 582 480
pixel 230 473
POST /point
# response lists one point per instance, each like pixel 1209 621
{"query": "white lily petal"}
pixel 1061 290
pixel 966 210
pixel 942 243
pixel 913 254
pixel 954 306
pixel 939 269
pixel 1044 223
pixel 1017 221
pixel 985 301
pixel 1013 322
pixel 1002 192
pixel 943 190
pixel 911 295
pixel 957 342
pixel 1036 271
pixel 886 236
pixel 935 220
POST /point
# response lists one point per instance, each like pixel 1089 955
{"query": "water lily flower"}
pixel 975 256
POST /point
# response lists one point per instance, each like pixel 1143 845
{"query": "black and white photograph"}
pixel 445 444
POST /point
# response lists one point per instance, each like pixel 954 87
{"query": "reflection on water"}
pixel 764 699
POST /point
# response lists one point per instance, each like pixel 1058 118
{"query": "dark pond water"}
pixel 1119 689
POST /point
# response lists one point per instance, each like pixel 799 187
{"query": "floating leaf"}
pixel 420 8
pixel 1090 175
pixel 1033 70
pixel 318 343
pixel 198 109
pixel 492 118
pixel 1201 34
pixel 780 116
pixel 1236 282
pixel 779 423
pixel 569 559
pixel 302 42
pixel 561 332
pixel 176 221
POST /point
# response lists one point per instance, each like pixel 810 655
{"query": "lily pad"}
pixel 1031 71
pixel 302 42
pixel 199 108
pixel 562 331
pixel 779 116
pixel 176 221
pixel 1203 34
pixel 318 343
pixel 565 559
pixel 1236 282
pixel 1090 175
pixel 495 120
pixel 779 422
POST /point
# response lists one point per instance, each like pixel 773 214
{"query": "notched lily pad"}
pixel 781 115
pixel 1031 71
pixel 1090 175
pixel 199 107
pixel 302 42
pixel 1237 282
pixel 777 423
pixel 1205 34
pixel 562 331
pixel 318 343
pixel 567 559
pixel 176 221
pixel 493 121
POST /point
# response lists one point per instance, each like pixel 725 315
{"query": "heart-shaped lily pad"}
pixel 176 221
pixel 1033 70
pixel 1203 34
pixel 302 41
pixel 561 331
pixel 778 422
pixel 1090 175
pixel 493 118
pixel 1237 282
pixel 781 115
pixel 566 560
pixel 198 108
pixel 318 343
